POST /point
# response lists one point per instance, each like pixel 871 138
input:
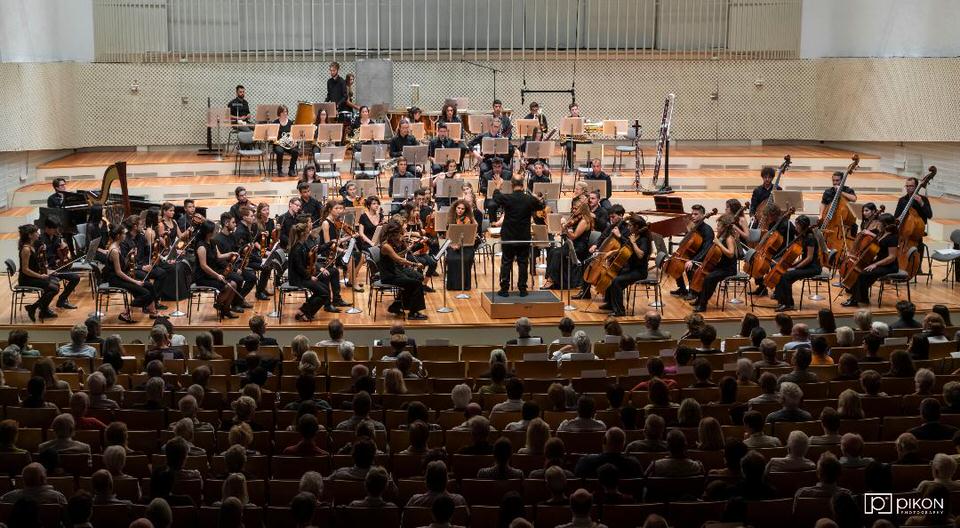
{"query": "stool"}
pixel 196 296
pixel 817 280
pixel 619 152
pixel 740 280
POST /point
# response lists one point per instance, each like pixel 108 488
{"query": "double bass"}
pixel 911 230
pixel 769 245
pixel 766 207
pixel 836 220
pixel 715 253
pixel 689 246
pixel 863 252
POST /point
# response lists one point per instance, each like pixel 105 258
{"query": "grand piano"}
pixel 667 220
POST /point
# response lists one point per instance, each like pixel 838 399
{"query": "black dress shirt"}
pixel 518 208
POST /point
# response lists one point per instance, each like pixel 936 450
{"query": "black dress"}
pixel 558 256
pixel 783 292
pixel 50 286
pixel 456 280
pixel 369 229
pixel 409 281
pixel 299 276
pixel 888 245
pixel 142 296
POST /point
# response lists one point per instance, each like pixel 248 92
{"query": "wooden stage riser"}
pixel 213 167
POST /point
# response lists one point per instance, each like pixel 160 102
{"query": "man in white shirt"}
pixel 584 422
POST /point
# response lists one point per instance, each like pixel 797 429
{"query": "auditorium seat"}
pixel 673 488
pixel 37 418
pixel 488 492
pixel 788 482
pixel 286 467
pixel 806 511
pixel 350 516
pixel 694 513
pixel 772 512
pixel 414 517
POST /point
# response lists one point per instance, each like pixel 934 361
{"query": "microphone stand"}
pixel 489 68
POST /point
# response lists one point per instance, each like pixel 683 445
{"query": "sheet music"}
pixel 345 259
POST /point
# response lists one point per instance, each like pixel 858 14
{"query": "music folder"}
pixel 494 146
pixel 788 199
pixel 403 187
pixel 219 117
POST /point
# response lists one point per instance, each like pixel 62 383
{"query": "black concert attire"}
pixel 727 267
pixel 888 246
pixel 337 93
pixel 601 218
pixel 142 296
pixel 923 209
pixel 235 208
pixel 489 204
pixel 532 178
pixel 326 249
pixel 299 276
pixel 396 174
pixel 279 151
pixel 761 194
pixel 518 208
pixel 828 194
pixel 455 279
pixel 98 230
pixel 50 286
pixel 52 244
pixel 399 141
pixel 706 234
pixel 426 258
pixel 603 176
pixel 244 279
pixel 410 282
pixel 558 256
pixel 606 233
pixel 56 200
pixel 783 292
pixel 239 108
pixel 635 270
pixel 139 244
pixel 287 221
pixel 506 127
pixel 368 228
pixel 244 235
pixel 487 163
pixel 311 207
pixel 446 143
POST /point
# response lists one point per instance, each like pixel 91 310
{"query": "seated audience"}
pixel 654 430
pixel 375 484
pixel 828 475
pixel 932 429
pixel 756 438
pixel 538 434
pixel 501 469
pixel 435 478
pixel 943 468
pixel 796 459
pixel 35 488
pixel 851 447
pixel 581 504
pixel 651 330
pixel 801 361
pixel 585 421
pixel 830 422
pixel 77 347
pixel 677 463
pixel 614 441
pixel 791 395
pixel 908 450
pixel 63 427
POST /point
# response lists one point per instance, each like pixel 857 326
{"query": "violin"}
pixel 41 250
pixel 156 249
pixel 715 253
pixel 689 246
pixel 130 263
pixel 63 255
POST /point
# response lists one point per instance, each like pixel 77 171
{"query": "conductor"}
pixel 518 208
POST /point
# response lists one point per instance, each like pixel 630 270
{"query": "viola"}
pixel 689 246
pixel 769 245
pixel 41 250
pixel 911 230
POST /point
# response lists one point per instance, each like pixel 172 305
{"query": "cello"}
pixel 765 208
pixel 689 246
pixel 836 219
pixel 769 245
pixel 715 253
pixel 912 227
pixel 790 257
pixel 611 257
pixel 863 252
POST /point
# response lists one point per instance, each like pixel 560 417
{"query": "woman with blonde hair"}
pixel 393 382
pixel 309 363
pixel 538 432
pixel 299 346
pixel 235 485
pixel 849 405
pixel 710 435
pixel 577 230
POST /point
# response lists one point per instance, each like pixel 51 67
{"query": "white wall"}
pixel 46 30
pixel 880 28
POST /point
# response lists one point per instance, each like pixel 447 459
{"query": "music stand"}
pixel 541 238
pixel 449 187
pixel 571 126
pixel 442 219
pixel 554 225
pixel 551 191
pixel 417 155
pixel 615 127
pixel 366 187
pixel 525 127
pixel 418 130
pixel 379 110
pixel 455 131
pixel 479 124
pixel 596 185
pixel 329 133
pixel 460 103
pixel 788 199
pixel 443 155
pixel 319 188
pixel 462 235
pixel 218 117
pixel 571 254
pixel 331 109
pixel 494 146
pixel 539 149
pixel 345 259
pixel 442 251
pixel 403 188
pixel 266 113
pixel 372 132
pixel 668 204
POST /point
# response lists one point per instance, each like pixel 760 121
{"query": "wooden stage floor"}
pixel 468 313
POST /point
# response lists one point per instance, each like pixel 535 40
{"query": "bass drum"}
pixel 305 114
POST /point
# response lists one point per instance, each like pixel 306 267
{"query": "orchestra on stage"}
pixel 410 216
